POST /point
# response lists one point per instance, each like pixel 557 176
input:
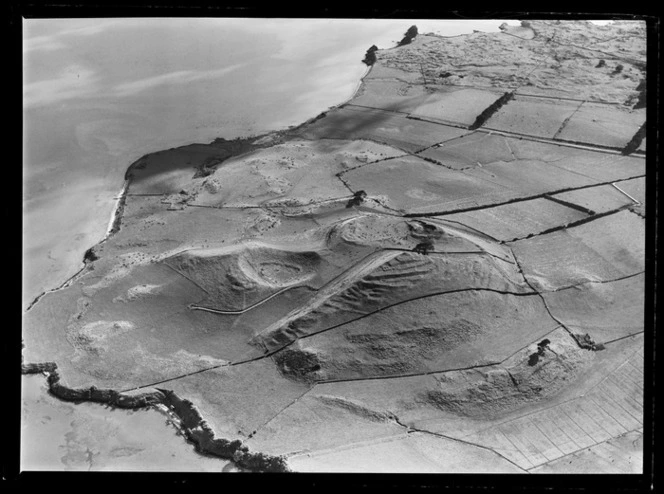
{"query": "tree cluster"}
pixel 409 36
pixel 370 56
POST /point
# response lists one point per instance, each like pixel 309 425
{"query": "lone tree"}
pixel 357 199
pixel 409 36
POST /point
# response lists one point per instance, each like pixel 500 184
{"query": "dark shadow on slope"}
pixel 193 161
pixel 199 156
pixel 388 125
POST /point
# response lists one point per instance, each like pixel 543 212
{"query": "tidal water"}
pixel 99 94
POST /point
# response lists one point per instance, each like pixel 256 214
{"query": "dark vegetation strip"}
pixel 570 205
pixel 515 200
pixel 491 109
pixel 636 140
pixel 192 424
pixel 572 224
